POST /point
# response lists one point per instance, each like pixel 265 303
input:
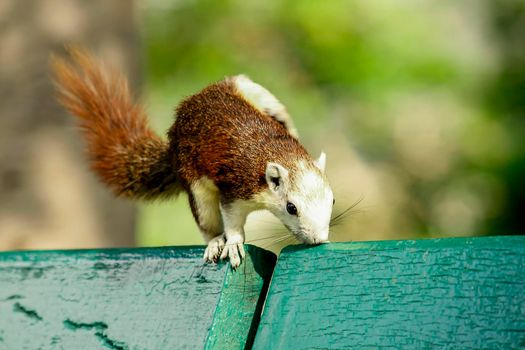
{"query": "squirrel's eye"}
pixel 291 209
pixel 333 202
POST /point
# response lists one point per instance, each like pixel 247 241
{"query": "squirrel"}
pixel 232 148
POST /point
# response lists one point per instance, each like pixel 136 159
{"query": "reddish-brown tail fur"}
pixel 124 152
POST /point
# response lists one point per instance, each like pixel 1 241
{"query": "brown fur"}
pixel 217 134
pixel 124 152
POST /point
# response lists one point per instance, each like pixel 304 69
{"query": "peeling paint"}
pixel 17 307
pixel 100 332
pixel 55 340
pixel 77 325
pixel 12 297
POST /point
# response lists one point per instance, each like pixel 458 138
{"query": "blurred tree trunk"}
pixel 48 197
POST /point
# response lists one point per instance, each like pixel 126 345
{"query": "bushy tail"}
pixel 124 152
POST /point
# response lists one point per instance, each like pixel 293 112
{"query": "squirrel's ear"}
pixel 321 162
pixel 276 176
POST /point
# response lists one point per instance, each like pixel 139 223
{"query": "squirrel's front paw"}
pixel 234 250
pixel 214 249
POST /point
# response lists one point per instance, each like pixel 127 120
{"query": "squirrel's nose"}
pixel 321 237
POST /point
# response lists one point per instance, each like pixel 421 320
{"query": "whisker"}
pixel 284 238
pixel 348 211
pixel 264 238
pixel 271 228
pixel 277 231
pixel 248 242
pixel 272 234
pixel 280 241
pixel 266 221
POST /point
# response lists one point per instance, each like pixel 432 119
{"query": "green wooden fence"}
pixel 444 293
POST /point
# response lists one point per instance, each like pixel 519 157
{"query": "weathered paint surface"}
pixel 237 315
pixel 438 294
pixel 152 298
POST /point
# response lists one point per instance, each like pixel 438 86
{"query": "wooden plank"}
pixel 238 311
pixel 443 293
pixel 151 298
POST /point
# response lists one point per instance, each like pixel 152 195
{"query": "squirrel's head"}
pixel 301 198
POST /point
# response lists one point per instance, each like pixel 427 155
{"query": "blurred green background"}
pixel 419 105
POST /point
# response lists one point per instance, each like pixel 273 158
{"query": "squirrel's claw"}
pixel 214 249
pixel 234 250
pixel 218 248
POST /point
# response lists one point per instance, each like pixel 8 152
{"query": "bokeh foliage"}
pixel 420 105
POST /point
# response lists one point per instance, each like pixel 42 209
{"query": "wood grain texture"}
pixel 151 298
pixel 440 294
